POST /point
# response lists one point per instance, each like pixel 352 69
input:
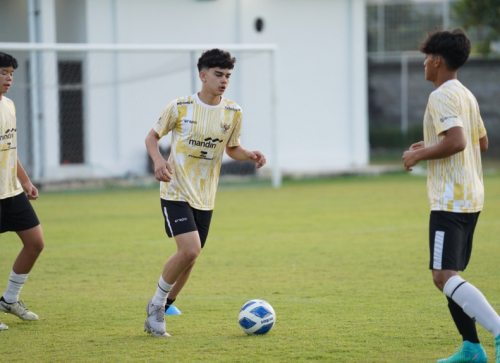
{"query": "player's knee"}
pixel 191 254
pixel 36 246
pixel 440 279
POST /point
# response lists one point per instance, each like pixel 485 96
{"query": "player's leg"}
pixel 18 215
pixel 188 248
pixel 33 245
pixel 451 246
pixel 179 223
pixel 202 220
pixel 179 284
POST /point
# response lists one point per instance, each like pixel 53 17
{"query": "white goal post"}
pixel 42 86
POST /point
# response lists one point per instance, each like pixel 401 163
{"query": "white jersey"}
pixel 455 183
pixel 9 184
pixel 200 133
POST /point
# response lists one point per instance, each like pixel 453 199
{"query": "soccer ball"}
pixel 257 317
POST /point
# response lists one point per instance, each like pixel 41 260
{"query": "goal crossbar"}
pixel 190 48
pixel 103 47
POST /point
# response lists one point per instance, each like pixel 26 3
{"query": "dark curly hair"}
pixel 216 58
pixel 6 60
pixel 453 46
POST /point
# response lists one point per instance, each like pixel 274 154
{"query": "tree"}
pixel 483 14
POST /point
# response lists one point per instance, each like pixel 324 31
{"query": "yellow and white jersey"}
pixel 455 183
pixel 9 185
pixel 200 133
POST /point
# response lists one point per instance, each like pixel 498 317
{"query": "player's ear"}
pixel 438 60
pixel 203 76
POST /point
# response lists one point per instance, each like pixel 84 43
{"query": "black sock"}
pixel 465 324
pixel 169 302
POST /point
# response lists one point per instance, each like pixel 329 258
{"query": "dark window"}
pixel 71 134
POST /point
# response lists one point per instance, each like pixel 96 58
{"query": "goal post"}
pixel 83 106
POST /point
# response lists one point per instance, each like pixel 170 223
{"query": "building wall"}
pixel 321 72
pixel 385 94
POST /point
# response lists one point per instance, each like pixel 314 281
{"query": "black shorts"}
pixel 181 218
pixel 17 214
pixel 450 239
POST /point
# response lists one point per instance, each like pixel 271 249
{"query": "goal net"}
pixel 83 110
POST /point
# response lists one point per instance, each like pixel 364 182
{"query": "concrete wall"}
pixel 385 93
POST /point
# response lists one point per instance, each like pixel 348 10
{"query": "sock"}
pixel 169 302
pixel 162 291
pixel 465 325
pixel 16 282
pixel 473 303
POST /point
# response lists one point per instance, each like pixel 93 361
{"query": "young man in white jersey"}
pixel 16 213
pixel 454 136
pixel 203 125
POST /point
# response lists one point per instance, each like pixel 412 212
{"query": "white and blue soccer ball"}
pixel 257 317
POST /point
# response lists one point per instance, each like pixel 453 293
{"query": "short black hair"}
pixel 6 60
pixel 453 46
pixel 214 58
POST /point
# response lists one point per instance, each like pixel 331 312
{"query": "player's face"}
pixel 430 69
pixel 215 80
pixel 6 78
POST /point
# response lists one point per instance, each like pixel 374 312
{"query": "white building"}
pixel 321 107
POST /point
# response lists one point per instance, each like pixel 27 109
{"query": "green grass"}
pixel 343 261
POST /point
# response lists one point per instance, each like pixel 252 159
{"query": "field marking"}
pixel 49 247
pixel 187 297
pixel 339 232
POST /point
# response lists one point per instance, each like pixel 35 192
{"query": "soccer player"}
pixel 16 212
pixel 202 126
pixel 454 136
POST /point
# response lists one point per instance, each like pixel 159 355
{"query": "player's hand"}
pixel 417 145
pixel 30 190
pixel 410 159
pixel 258 158
pixel 163 170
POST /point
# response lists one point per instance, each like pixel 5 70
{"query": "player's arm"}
pixel 28 187
pixel 162 168
pixel 241 154
pixel 454 141
pixel 483 143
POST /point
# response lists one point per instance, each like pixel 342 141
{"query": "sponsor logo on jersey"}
pixel 446 118
pixel 189 121
pixel 204 156
pixel 9 134
pixel 184 103
pixel 208 142
pixel 232 109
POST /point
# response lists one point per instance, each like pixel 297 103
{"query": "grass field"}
pixel 343 262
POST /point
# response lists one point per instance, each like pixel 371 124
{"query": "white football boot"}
pixel 18 309
pixel 3 326
pixel 155 322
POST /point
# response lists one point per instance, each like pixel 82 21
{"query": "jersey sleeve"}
pixel 167 120
pixel 480 125
pixel 445 111
pixel 234 140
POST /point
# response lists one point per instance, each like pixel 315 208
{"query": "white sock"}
pixel 162 291
pixel 16 282
pixel 469 298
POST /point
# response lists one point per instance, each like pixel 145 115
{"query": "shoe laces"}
pixel 159 312
pixel 23 306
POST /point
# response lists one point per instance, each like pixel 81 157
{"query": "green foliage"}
pixel 484 14
pixel 343 261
